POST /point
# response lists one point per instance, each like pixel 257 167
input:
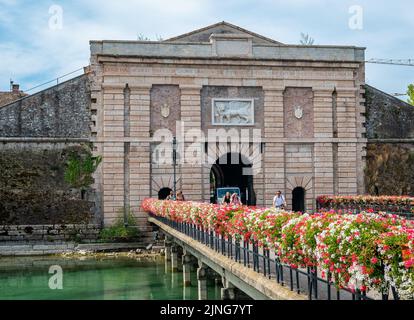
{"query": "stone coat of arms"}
pixel 165 110
pixel 298 112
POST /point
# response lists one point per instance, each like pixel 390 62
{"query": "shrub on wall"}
pixel 121 231
pixel 80 168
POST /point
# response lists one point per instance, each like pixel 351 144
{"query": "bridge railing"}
pixel 401 206
pixel 264 261
pixel 406 213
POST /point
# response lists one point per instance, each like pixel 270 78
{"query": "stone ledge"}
pixel 50 249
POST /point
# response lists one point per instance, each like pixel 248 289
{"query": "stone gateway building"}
pixel 246 111
pixel 306 101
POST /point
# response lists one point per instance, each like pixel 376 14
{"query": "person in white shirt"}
pixel 279 201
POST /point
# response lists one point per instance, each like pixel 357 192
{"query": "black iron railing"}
pixel 264 261
pixel 402 211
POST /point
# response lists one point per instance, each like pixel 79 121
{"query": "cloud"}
pixel 32 52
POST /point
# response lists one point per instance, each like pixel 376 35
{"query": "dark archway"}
pixel 228 172
pixel 298 200
pixel 164 193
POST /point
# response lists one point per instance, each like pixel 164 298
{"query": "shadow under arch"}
pixel 230 171
pixel 164 193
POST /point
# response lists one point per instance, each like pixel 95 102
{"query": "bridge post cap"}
pixel 202 273
pixel 187 258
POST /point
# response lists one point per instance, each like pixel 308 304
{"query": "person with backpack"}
pixel 279 201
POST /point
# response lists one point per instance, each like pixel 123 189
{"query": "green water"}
pixel 95 279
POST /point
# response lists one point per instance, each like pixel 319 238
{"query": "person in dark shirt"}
pixel 226 199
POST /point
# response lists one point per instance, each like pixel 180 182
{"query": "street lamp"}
pixel 175 165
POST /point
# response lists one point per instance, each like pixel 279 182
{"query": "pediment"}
pixel 221 28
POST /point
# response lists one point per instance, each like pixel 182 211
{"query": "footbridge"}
pixel 188 248
pixel 244 269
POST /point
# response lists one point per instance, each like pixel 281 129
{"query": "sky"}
pixel 42 40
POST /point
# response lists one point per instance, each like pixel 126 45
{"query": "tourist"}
pixel 226 199
pixel 235 200
pixel 180 196
pixel 171 196
pixel 279 201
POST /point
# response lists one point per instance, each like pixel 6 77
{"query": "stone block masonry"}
pixel 33 189
pixel 48 233
pixel 61 111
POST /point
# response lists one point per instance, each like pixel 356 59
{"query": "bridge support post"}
pixel 167 245
pixel 187 262
pixel 174 258
pixel 228 292
pixel 202 275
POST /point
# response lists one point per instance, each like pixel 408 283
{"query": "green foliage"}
pixel 410 93
pixel 80 168
pixel 119 232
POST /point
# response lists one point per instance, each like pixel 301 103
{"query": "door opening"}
pixel 298 199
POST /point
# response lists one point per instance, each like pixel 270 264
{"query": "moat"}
pixel 95 278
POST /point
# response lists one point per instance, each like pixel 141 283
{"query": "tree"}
pixel 410 93
pixel 306 39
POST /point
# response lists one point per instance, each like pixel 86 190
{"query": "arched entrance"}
pixel 298 199
pixel 164 193
pixel 228 172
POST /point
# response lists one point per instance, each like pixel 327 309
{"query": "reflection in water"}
pixel 95 279
pixel 188 293
pixel 174 280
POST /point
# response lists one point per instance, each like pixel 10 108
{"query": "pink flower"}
pixel 409 263
pixel 374 260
